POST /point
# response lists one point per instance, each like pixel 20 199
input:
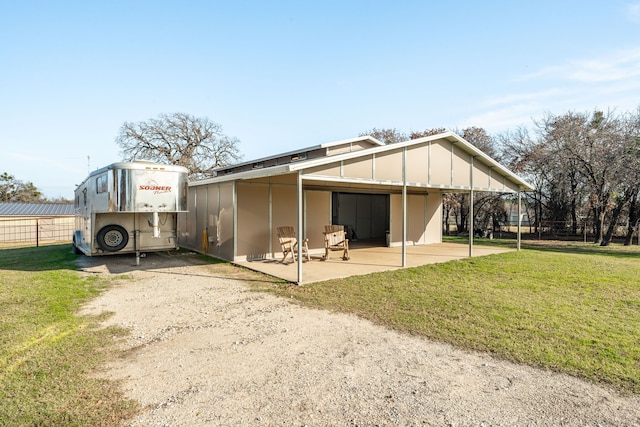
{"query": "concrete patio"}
pixel 366 259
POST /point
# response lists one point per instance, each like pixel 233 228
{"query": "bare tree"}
pixel 631 126
pixel 522 155
pixel 426 132
pixel 592 147
pixel 196 143
pixel 386 136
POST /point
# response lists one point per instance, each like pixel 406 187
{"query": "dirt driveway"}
pixel 206 351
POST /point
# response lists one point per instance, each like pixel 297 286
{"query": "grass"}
pixel 48 354
pixel 569 307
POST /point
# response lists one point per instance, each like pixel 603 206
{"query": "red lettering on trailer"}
pixel 154 188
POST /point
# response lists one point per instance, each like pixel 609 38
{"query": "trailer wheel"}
pixel 74 247
pixel 112 238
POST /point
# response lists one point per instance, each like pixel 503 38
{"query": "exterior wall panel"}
pixel 433 218
pixel 505 183
pixel 317 215
pixel 416 219
pixel 200 220
pixel 418 164
pixel 283 211
pixel 441 163
pixel 187 222
pixel 288 179
pixel 396 219
pixel 213 205
pixel 481 178
pixel 389 166
pixel 328 170
pixel 462 169
pixel 253 220
pixel 226 222
pixel 359 168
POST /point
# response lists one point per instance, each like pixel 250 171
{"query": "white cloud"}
pixel 523 97
pixel 633 12
pixel 621 65
pixel 615 66
pixel 608 81
pixel 507 117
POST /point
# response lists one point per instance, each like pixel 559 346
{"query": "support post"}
pixel 404 207
pixel 471 213
pixel 519 218
pixel 471 222
pixel 300 234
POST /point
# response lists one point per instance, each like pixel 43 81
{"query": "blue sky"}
pixel 281 75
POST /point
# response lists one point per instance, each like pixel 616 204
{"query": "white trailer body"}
pixel 129 207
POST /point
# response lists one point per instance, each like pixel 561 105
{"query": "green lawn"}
pixel 47 353
pixel 573 308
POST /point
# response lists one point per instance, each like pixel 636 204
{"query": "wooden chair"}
pixel 335 239
pixel 289 243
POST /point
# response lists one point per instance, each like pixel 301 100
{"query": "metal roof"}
pixel 35 209
pixel 225 170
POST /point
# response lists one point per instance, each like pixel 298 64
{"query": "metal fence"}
pixel 36 230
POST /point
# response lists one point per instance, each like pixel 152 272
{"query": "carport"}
pixel 373 188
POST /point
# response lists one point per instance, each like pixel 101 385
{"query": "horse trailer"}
pixel 129 207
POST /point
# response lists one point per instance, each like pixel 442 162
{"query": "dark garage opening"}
pixel 365 215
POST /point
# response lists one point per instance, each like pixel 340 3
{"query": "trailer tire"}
pixel 112 238
pixel 74 247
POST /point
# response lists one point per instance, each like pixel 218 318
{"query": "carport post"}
pixel 519 216
pixel 471 222
pixel 300 233
pixel 471 219
pixel 404 207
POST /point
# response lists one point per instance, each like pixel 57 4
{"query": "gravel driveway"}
pixel 206 351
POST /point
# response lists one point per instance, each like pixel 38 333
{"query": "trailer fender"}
pixel 112 238
pixel 77 237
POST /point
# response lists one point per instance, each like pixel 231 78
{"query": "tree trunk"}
pixel 538 211
pixel 596 224
pixel 634 212
pixel 574 208
pixel 463 213
pixel 600 230
pixel 615 217
pixel 446 221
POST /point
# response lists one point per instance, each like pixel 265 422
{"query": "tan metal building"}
pixel 22 222
pixel 388 193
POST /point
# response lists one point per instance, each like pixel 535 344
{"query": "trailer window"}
pixel 101 184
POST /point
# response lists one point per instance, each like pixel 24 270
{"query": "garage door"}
pixel 366 214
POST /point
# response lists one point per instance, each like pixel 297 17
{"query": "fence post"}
pixel 37 233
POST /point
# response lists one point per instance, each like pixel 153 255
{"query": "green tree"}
pixel 14 190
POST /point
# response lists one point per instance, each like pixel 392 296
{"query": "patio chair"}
pixel 335 239
pixel 289 243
